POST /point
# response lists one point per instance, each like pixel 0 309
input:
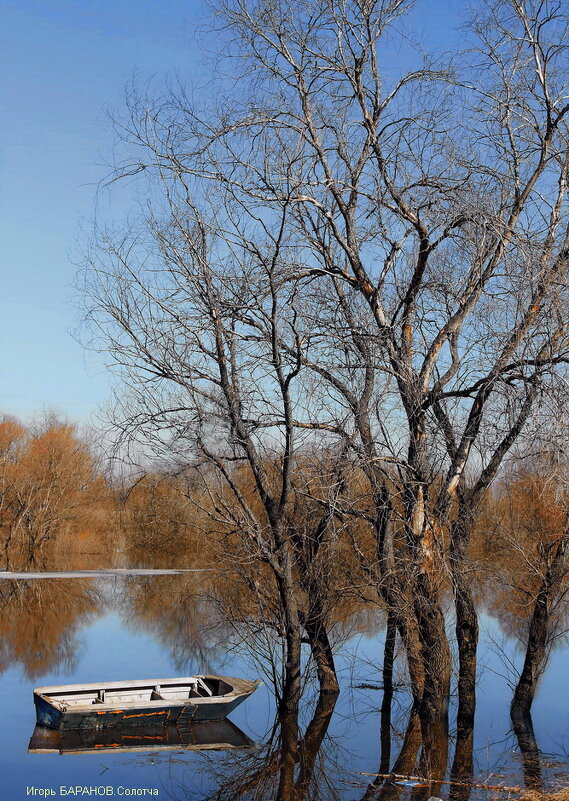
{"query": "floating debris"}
pixel 422 781
pixel 410 784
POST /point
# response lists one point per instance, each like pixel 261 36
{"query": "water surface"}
pixel 61 631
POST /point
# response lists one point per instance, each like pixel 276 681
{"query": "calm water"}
pixel 63 631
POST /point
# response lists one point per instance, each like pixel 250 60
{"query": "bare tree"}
pixel 349 247
pixel 204 327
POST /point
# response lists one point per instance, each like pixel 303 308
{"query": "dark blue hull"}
pixel 135 716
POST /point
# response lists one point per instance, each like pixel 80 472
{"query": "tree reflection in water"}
pixel 301 758
pixel 278 769
pixel 180 613
pixel 39 622
pixel 318 771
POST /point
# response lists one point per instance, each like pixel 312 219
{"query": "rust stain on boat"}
pixel 146 714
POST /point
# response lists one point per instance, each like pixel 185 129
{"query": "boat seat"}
pixel 203 686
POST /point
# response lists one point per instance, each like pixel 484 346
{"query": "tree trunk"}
pixel 535 653
pixel 289 703
pixel 395 591
pixel 433 710
pixel 539 631
pixel 405 762
pixel 435 652
pixel 288 754
pixel 466 628
pixel 317 634
pixel 531 757
pixel 423 575
pixel 466 624
pixel 312 740
pixel 385 726
pixel 462 767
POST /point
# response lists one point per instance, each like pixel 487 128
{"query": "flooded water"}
pixel 60 631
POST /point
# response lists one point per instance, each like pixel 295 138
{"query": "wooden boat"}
pixel 137 703
pixel 212 735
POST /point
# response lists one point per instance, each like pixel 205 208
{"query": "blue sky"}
pixel 63 62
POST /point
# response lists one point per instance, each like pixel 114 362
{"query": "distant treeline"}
pixel 57 502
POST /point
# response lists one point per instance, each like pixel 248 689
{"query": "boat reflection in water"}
pixel 210 735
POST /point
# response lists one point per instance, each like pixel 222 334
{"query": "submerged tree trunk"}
pixel 466 628
pixel 535 656
pixel 311 742
pixel 466 625
pixel 289 706
pixel 539 632
pixel 396 592
pixel 462 767
pixel 405 762
pixel 435 653
pixel 314 620
pixel 424 570
pixel 290 700
pixel 288 722
pixel 386 703
pixel 531 757
pixel 315 627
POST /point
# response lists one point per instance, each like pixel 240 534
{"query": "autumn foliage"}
pixel 56 504
pixel 51 493
pixel 160 525
pixel 520 546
